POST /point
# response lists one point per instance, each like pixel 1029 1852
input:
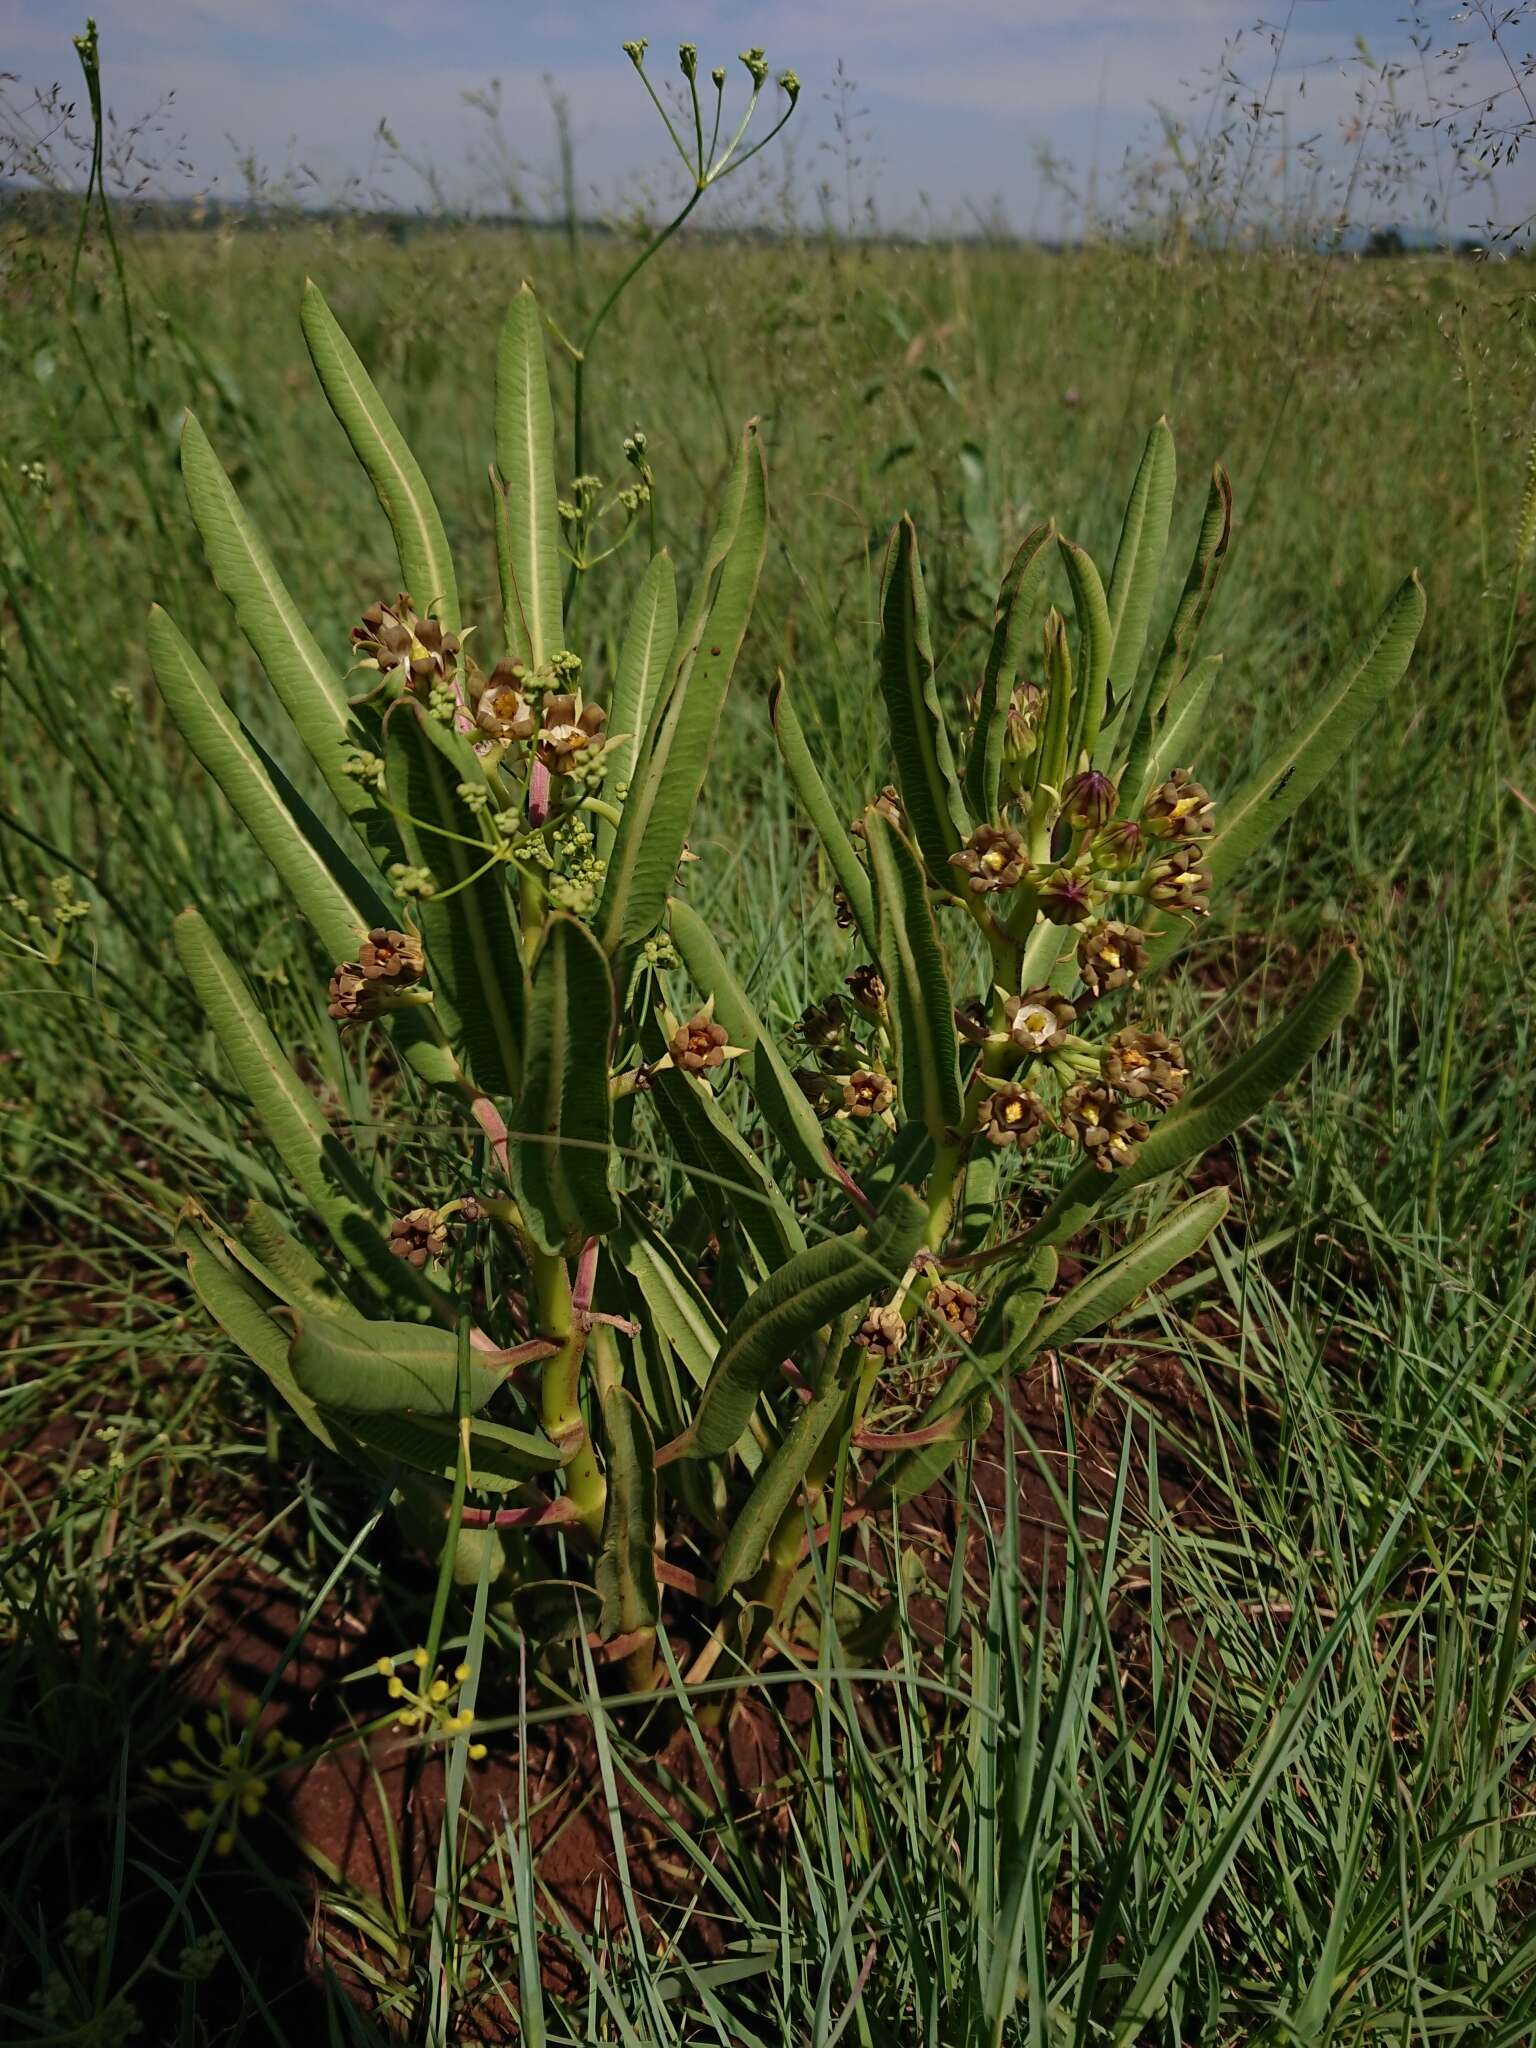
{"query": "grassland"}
pixel 1235 1821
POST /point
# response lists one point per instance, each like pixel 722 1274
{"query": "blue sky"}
pixel 953 98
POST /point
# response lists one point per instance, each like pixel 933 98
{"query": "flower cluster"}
pixel 226 1770
pixel 400 644
pixel 1036 1072
pixel 847 1077
pixel 426 1706
pixel 422 1233
pixel 389 966
pixel 1091 852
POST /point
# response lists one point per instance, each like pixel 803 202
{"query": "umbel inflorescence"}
pixel 599 1311
pixel 1036 1069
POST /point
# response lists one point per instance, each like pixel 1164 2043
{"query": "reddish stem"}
pixel 550 1514
pixel 488 1117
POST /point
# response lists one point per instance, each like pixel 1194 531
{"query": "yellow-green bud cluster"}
pixel 426 1706
pixel 227 1770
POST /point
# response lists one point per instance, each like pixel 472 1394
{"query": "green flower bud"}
pixel 1065 897
pixel 1121 845
pixel 1089 799
pixel 1021 729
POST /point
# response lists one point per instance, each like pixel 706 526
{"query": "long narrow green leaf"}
pixel 1051 755
pixel 1176 738
pixel 500 1460
pixel 467 926
pixel 416 1033
pixel 214 735
pixel 1005 658
pixel 676 1308
pixel 1216 1107
pixel 426 567
pixel 649 641
pixel 625 1571
pixel 525 460
pixel 1147 699
pixel 1276 1756
pixel 308 686
pixel 730 1180
pixel 918 994
pixel 925 762
pixel 822 812
pixel 324 1172
pixel 562 1140
pixel 812 1289
pixel 774 1089
pixel 383 1368
pixel 281 1268
pixel 1117 1283
pixel 681 735
pixel 1219 1106
pixel 236 1303
pixel 672 1296
pixel 1295 768
pixel 1095 645
pixel 777 1485
pixel 1139 556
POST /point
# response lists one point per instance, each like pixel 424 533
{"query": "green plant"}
pixel 537 1356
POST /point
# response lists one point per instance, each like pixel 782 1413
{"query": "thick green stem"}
pixel 560 1390
pixel 779 1567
